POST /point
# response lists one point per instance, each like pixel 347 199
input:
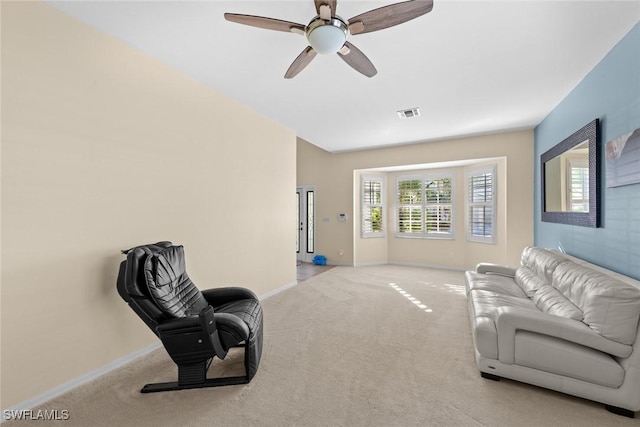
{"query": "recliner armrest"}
pixel 503 270
pixel 512 319
pixel 179 325
pixel 232 325
pixel 187 336
pixel 219 296
pixel 204 321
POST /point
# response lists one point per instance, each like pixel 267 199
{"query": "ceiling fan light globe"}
pixel 327 37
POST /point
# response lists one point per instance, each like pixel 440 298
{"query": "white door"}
pixel 305 241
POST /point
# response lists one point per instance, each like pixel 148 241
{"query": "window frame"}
pixel 493 204
pixel 364 217
pixel 424 206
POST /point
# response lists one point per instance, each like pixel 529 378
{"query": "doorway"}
pixel 305 241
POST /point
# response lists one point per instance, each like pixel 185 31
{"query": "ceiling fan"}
pixel 327 32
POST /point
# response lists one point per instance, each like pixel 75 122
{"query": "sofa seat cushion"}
pixel 492 282
pixel 609 306
pixel 483 307
pixel 486 303
pixel 568 359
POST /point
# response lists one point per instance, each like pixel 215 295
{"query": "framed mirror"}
pixel 570 174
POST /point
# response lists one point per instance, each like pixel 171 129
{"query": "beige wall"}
pixel 456 252
pixel 334 185
pixel 336 179
pixel 104 148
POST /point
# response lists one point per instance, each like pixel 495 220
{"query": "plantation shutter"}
pixel 481 205
pixel 372 207
pixel 424 206
pixel 409 205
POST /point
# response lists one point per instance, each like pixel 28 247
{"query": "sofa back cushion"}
pixel 542 262
pixel 529 281
pixel 549 300
pixel 609 306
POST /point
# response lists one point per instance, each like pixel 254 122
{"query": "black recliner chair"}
pixel 194 326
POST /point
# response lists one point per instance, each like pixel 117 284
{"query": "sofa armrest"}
pixel 512 319
pixel 503 270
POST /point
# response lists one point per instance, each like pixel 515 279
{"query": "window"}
pixel 481 205
pixel 424 206
pixel 372 206
pixel 310 220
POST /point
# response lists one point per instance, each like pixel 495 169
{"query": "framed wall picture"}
pixel 623 159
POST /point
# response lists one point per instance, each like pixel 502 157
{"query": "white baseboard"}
pixel 83 379
pixel 277 290
pixel 409 264
pixel 439 267
pixel 406 264
pixel 371 263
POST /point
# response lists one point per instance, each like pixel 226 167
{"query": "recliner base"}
pixel 209 382
pixel 194 375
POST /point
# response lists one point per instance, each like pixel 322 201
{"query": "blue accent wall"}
pixel 611 92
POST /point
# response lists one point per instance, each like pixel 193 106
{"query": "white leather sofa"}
pixel 561 323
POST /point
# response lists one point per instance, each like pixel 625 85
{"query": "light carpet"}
pixel 367 346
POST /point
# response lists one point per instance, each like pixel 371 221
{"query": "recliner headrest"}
pixel 134 282
pixel 169 285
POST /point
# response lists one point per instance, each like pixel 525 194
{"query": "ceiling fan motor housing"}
pixel 327 36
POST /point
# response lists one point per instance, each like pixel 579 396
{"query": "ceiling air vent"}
pixel 409 113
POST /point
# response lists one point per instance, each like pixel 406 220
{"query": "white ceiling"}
pixel 472 67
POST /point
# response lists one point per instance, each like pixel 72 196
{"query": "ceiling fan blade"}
pixel 357 60
pixel 331 3
pixel 300 62
pixel 267 23
pixel 388 16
